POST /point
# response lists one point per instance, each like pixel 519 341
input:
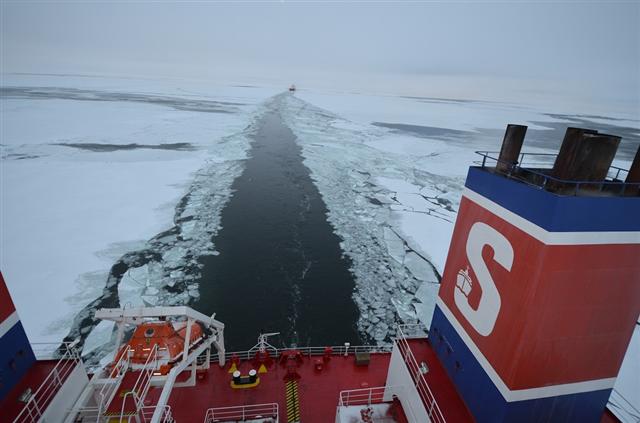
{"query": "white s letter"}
pixel 484 318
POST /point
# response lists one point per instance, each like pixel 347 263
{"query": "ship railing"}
pixel 242 413
pixel 306 351
pixel 146 414
pixel 87 414
pixel 371 396
pixel 143 382
pixel 116 374
pixel 412 331
pixel 424 391
pixel 268 347
pixel 364 396
pixel 68 357
pixel 533 169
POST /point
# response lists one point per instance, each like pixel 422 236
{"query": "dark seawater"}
pixel 280 267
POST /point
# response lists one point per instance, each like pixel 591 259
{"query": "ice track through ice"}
pixel 367 191
pixel 165 269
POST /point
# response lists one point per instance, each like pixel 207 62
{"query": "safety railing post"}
pixel 37 409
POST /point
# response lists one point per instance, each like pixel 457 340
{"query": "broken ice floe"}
pixel 370 194
pixel 164 270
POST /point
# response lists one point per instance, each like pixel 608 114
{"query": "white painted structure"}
pixel 405 381
pixel 401 385
pixel 66 395
pixel 61 388
pixel 97 395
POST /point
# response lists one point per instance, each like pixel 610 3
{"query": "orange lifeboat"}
pixel 169 339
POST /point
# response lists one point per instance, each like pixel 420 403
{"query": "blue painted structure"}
pixel 556 213
pixel 484 400
pixel 16 358
pixel 590 289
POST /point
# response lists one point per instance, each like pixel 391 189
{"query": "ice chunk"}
pixel 100 336
pixel 132 286
pixel 420 268
pixel 395 245
pixel 426 302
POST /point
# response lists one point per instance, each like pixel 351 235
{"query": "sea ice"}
pixel 93 168
pixel 367 191
pixel 393 197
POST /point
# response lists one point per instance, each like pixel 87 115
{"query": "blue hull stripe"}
pixel 487 403
pixel 16 357
pixel 556 213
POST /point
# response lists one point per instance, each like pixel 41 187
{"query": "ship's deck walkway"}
pixel 318 391
pixel 11 406
pixel 452 406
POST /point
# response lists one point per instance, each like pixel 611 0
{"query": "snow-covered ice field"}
pixel 393 188
pixel 95 168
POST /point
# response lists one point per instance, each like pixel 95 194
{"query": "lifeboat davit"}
pixel 169 339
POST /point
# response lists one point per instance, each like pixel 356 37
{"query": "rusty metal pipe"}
pixel 593 157
pixel 511 146
pixel 563 165
pixel 634 171
pixel 633 177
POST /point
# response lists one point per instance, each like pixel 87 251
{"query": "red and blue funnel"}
pixel 541 288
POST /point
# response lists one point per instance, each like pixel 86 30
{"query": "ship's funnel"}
pixel 541 289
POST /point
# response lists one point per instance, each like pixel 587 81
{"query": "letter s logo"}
pixel 484 318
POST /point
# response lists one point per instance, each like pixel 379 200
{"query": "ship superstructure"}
pixel 552 257
pixel 537 304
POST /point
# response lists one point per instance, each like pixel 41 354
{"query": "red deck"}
pixel 121 401
pixel 318 391
pixel 10 405
pixel 445 393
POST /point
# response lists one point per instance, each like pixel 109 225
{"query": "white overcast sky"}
pixel 589 49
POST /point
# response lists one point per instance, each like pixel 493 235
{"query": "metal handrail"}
pixel 109 389
pixel 424 391
pixel 374 395
pixel 362 396
pixel 147 412
pixel 413 330
pixel 123 363
pixel 141 387
pixel 307 351
pixel 38 402
pixel 545 178
pixel 242 413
